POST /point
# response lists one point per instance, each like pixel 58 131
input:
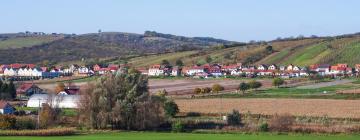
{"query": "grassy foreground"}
pixel 186 136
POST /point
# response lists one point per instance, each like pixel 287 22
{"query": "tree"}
pixel 171 108
pixel 278 82
pixel 59 87
pixel 179 63
pixel 217 88
pixel 121 101
pixel 4 92
pixel 243 87
pixel 165 62
pixel 205 90
pixel 208 59
pixel 254 84
pixel 234 118
pixel 12 90
pixel 269 49
pixel 197 90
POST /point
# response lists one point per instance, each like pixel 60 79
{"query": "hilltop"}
pixel 98 45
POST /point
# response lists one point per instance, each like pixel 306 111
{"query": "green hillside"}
pixel 330 51
pixel 299 52
pixel 25 41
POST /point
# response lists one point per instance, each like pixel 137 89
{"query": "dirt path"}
pixel 309 107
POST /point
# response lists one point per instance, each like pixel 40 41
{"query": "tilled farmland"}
pixel 298 107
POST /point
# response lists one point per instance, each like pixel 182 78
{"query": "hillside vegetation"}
pixel 20 42
pixel 103 45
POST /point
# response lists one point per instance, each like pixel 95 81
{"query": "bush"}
pixel 278 82
pixel 171 108
pixel 217 88
pixel 197 90
pixel 282 122
pixel 178 127
pixel 25 123
pixel 264 127
pixel 205 90
pixel 7 122
pixel 234 118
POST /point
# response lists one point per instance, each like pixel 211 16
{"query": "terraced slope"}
pixel 331 51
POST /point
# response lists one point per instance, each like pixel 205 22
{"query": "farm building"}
pixel 28 89
pixel 6 108
pixel 61 101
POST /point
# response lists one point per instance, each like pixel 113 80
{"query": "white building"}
pixel 60 101
pixel 156 70
pixel 10 72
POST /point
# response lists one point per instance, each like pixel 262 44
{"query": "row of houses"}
pixel 216 70
pixel 31 70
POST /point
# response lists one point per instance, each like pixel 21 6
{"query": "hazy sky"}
pixel 238 20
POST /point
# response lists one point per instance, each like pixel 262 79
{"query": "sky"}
pixel 236 20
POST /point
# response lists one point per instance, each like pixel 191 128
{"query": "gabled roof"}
pixel 24 87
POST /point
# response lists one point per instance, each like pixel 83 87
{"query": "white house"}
pixel 290 67
pixel 195 69
pixel 83 70
pixel 156 70
pixel 262 67
pixel 10 72
pixel 272 67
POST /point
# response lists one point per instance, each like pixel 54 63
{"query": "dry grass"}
pixel 298 107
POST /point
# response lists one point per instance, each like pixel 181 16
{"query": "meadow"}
pixel 187 136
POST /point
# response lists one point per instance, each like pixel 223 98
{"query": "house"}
pixel 229 68
pixel 282 68
pixel 28 89
pixel 96 67
pixel 6 108
pixel 272 67
pixel 290 67
pixel 155 70
pixel 323 69
pixel 143 71
pixel 175 71
pixel 357 68
pixel 83 70
pixel 10 72
pixel 262 67
pixel 194 69
pixel 296 68
pixel 215 71
pixel 103 71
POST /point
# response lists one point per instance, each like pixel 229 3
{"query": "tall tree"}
pixel 122 101
pixel 165 62
pixel 244 86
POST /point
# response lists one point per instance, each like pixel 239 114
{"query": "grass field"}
pixel 187 136
pixel 25 42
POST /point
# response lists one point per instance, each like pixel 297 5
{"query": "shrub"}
pixel 243 87
pixel 254 84
pixel 205 90
pixel 217 88
pixel 278 82
pixel 171 108
pixel 162 93
pixel 178 127
pixel 281 122
pixel 234 118
pixel 197 90
pixel 25 123
pixel 7 122
pixel 264 127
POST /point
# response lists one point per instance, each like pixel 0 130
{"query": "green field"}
pixel 25 42
pixel 186 136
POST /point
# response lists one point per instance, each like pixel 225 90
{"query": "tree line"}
pixel 7 90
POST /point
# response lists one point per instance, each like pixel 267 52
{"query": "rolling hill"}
pixel 302 52
pixel 100 45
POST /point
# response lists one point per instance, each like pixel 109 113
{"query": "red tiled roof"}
pixel 24 87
